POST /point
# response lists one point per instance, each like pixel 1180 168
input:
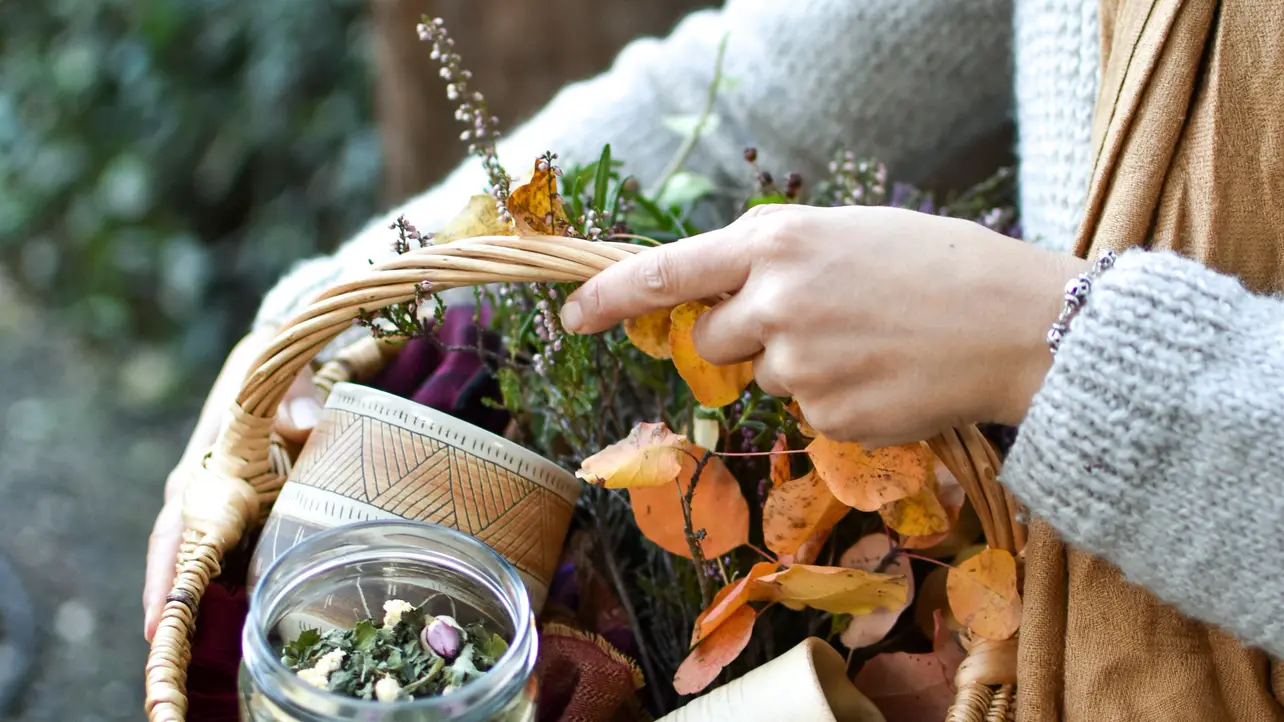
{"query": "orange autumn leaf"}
pixel 727 601
pixel 797 510
pixel 717 507
pixel 651 455
pixel 650 333
pixel 871 554
pixel 952 498
pixel 832 589
pixel 536 207
pixel 479 218
pixel 721 648
pixel 918 514
pixel 867 480
pixel 983 594
pixel 712 385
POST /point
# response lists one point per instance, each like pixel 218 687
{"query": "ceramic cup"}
pixel 375 456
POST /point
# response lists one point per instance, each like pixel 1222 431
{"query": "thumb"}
pixel 300 409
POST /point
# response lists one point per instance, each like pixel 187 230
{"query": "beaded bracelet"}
pixel 1077 291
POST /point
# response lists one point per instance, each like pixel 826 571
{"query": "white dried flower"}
pixel 387 690
pixel 318 675
pixel 393 609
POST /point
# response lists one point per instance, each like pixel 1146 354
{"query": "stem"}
pixel 617 580
pixel 693 537
pixel 689 143
pixel 937 562
pixel 762 553
pixel 635 237
pixel 759 453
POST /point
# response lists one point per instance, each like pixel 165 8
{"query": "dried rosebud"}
pixel 751 155
pixel 793 182
pixel 764 178
pixel 444 637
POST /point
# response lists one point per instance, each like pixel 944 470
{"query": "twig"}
pixel 634 237
pixel 617 580
pixel 689 143
pixel 695 537
pixel 921 558
pixel 764 554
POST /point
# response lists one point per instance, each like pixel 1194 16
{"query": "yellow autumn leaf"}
pixel 832 589
pixel 650 333
pixel 796 509
pixel 963 527
pixel 918 514
pixel 536 206
pixel 479 218
pixel 867 480
pixel 712 385
pixel 650 455
pixel 983 594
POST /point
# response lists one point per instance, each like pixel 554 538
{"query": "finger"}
pixel 162 551
pixel 730 332
pixel 768 375
pixel 300 409
pixel 702 266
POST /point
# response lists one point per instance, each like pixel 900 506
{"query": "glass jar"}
pixel 340 576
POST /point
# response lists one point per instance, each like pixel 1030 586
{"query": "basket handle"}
pixel 232 490
pixel 235 486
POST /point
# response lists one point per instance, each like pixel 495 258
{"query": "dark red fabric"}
pixel 451 376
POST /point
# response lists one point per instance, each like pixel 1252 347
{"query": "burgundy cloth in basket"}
pixel 451 377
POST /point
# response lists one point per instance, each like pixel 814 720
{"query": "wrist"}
pixel 1037 304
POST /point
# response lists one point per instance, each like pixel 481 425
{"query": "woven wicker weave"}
pixel 233 490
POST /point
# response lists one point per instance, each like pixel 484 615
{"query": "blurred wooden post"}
pixel 520 51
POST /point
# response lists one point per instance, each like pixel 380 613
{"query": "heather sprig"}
pixel 482 128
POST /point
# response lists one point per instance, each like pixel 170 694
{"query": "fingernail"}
pixel 147 622
pixel 304 412
pixel 572 316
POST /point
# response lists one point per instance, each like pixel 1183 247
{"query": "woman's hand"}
pixel 296 417
pixel 886 325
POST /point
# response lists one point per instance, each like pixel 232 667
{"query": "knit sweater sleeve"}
pixel 1157 441
pixel 908 81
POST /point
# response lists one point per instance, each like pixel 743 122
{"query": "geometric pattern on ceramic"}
pixel 373 455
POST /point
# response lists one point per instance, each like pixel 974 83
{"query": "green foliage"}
pixel 162 162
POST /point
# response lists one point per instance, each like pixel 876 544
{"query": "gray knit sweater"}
pixel 1157 440
pixel 1153 441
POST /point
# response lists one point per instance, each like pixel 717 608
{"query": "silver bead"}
pixel 1077 290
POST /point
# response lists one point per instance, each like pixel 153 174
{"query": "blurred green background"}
pixel 161 163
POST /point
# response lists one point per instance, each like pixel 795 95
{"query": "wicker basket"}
pixel 233 490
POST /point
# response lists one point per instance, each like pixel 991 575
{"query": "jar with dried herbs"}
pixel 389 621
